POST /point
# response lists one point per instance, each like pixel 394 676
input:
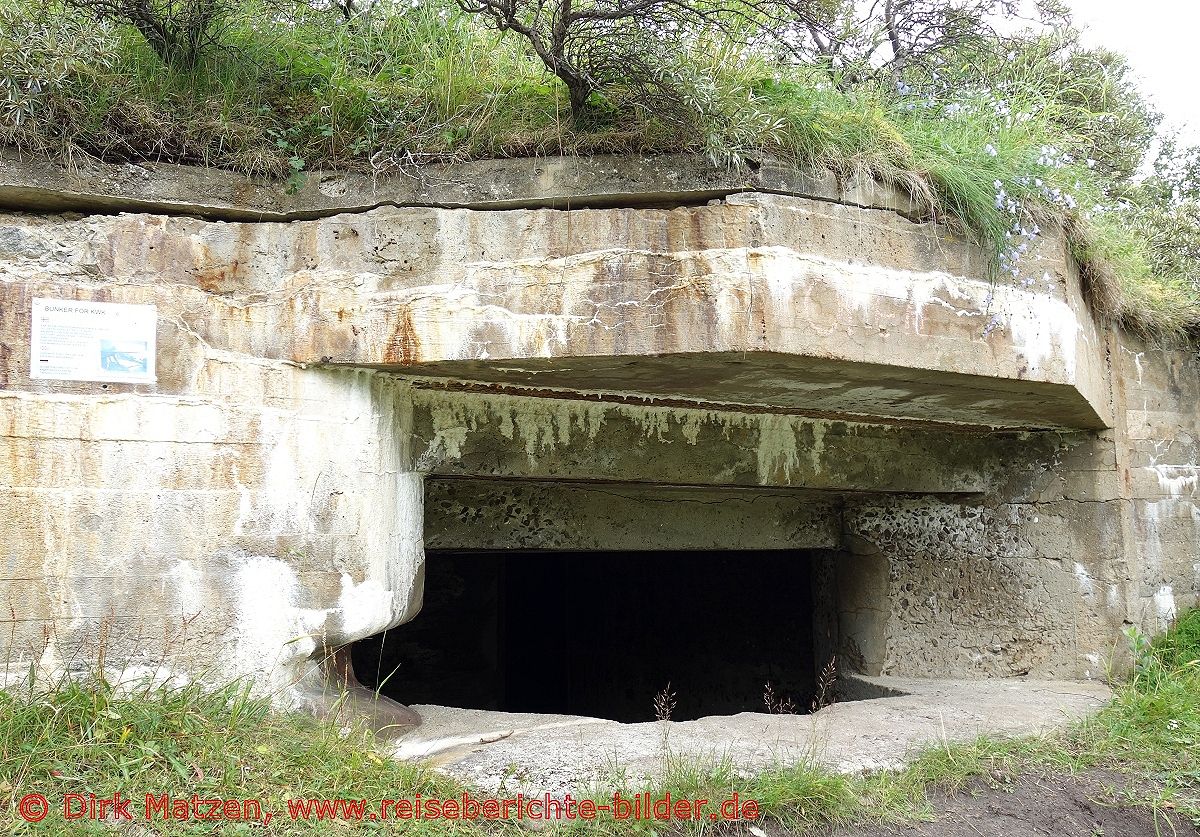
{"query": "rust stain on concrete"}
pixel 403 346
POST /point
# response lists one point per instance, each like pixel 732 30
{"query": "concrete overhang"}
pixel 787 292
pixel 775 382
pixel 763 303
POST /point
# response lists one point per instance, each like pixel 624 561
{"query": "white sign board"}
pixel 75 340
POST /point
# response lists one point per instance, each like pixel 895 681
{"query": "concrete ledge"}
pixel 560 753
pixel 36 185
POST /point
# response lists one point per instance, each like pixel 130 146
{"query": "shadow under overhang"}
pixel 770 382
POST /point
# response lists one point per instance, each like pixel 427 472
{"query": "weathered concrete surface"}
pixel 558 439
pixel 524 514
pixel 262 504
pixel 238 537
pixel 30 184
pixel 1158 457
pixel 763 302
pixel 985 573
pixel 792 304
pixel 558 754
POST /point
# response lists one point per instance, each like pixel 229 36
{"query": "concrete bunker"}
pixel 602 634
pixel 799 365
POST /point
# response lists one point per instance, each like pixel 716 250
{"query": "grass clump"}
pixel 97 739
pixel 1179 648
pixel 279 97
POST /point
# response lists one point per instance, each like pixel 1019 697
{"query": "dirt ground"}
pixel 1093 804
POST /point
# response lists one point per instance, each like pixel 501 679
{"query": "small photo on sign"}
pixel 128 356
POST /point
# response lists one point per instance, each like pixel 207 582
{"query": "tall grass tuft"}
pixel 92 737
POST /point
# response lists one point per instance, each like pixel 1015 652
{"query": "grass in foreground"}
pixel 79 739
pixel 185 741
pixel 1149 733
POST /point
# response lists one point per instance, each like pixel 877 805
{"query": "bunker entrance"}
pixel 600 634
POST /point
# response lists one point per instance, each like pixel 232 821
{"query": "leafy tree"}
pixel 1165 210
pixel 1091 96
pixel 860 40
pixel 595 45
pixel 177 30
pixel 1176 177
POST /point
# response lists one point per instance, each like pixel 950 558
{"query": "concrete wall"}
pixel 1158 464
pixel 236 528
pixel 1005 498
pixel 612 516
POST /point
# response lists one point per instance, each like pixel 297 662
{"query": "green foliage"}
pixel 1088 96
pixel 913 39
pixel 295 89
pixel 386 93
pixel 1179 648
pixel 181 741
pixel 177 30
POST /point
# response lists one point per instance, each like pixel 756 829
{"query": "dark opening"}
pixel 602 633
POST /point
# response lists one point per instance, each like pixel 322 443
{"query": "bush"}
pixel 177 30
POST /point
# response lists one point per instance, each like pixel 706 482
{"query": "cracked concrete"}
pixel 602 181
pixel 501 752
pixel 686 305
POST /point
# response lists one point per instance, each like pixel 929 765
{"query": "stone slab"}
pixel 558 754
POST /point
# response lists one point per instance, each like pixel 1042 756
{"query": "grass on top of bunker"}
pixel 1132 770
